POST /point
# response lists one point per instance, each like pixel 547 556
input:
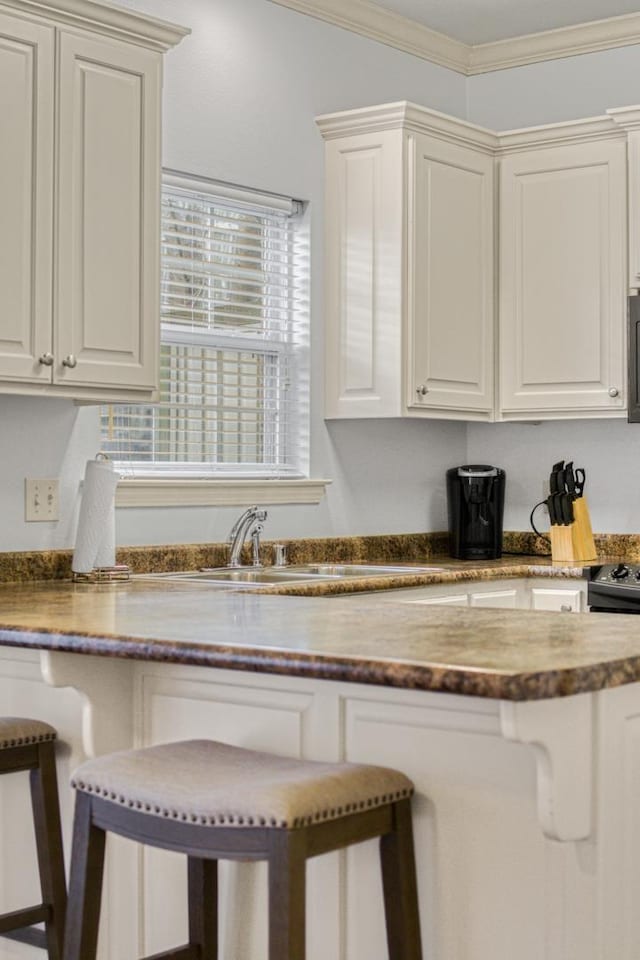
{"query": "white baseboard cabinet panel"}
pixel 495 783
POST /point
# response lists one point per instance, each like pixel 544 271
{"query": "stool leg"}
pixel 287 882
pixel 400 888
pixel 46 819
pixel 203 907
pixel 85 884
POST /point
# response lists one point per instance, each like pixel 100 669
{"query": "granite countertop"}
pixel 500 654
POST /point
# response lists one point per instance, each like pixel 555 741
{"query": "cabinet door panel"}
pixel 364 256
pixel 452 600
pixel 107 296
pixel 495 598
pixel 563 290
pixel 26 184
pixel 451 313
pixel 564 601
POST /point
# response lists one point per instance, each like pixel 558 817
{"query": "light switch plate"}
pixel 41 499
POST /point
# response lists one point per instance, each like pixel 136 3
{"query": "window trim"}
pixel 218 491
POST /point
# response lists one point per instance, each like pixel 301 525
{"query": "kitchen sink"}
pixel 250 576
pixel 242 576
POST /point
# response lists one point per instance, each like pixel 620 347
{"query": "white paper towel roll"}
pixel 95 539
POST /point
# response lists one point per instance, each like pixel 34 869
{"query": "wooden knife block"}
pixel 574 543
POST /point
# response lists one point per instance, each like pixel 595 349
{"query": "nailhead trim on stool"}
pixel 27 744
pixel 214 801
pixel 17 731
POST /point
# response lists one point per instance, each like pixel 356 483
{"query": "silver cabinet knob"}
pixel 422 391
pixel 566 608
pixel 46 359
pixel 70 361
pixel 613 391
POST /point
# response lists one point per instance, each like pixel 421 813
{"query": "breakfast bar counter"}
pixel 501 654
pixel 521 731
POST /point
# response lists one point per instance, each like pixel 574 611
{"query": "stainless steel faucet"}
pixel 239 532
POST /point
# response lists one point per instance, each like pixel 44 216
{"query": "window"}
pixel 234 335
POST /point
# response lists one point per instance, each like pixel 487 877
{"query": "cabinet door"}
pixel 363 250
pixel 495 598
pixel 451 600
pixel 563 281
pixel 26 185
pixel 106 313
pixel 451 277
pixel 564 601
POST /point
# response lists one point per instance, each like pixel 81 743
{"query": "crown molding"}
pixel 626 117
pixel 106 18
pixel 372 21
pixel 556 134
pixel 376 23
pixel 406 116
pixel 409 117
pixel 555 44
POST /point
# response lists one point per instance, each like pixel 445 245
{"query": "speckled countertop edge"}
pixel 493 654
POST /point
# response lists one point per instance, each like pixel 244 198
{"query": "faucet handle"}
pixel 279 554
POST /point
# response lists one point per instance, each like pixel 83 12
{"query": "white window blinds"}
pixel 234 332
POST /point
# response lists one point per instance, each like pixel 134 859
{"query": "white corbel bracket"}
pixel 560 732
pixel 106 686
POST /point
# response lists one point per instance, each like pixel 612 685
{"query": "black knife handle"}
pixel 570 478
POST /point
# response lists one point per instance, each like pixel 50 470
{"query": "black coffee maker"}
pixel 475 502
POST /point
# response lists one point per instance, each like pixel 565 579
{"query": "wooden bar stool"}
pixel 29 745
pixel 212 801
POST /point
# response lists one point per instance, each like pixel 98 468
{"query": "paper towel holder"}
pixel 117 573
pixel 94 559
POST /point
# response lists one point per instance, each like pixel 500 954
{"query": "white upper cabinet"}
pixel 563 280
pixel 79 186
pixel 409 265
pixel 411 274
pixel 26 197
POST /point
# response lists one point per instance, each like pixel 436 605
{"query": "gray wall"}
pixel 240 99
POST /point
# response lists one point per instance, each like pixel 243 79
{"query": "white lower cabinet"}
pixel 564 600
pixel 535 593
pixel 491 870
pixel 455 600
pixel 494 598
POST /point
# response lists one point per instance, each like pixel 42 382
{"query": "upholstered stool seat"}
pixel 27 744
pixel 214 801
pixel 21 731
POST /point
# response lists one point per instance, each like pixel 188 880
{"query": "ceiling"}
pixel 484 21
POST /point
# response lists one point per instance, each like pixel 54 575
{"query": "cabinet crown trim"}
pixel 406 116
pixel 105 18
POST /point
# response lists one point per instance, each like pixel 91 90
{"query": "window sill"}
pixel 184 492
